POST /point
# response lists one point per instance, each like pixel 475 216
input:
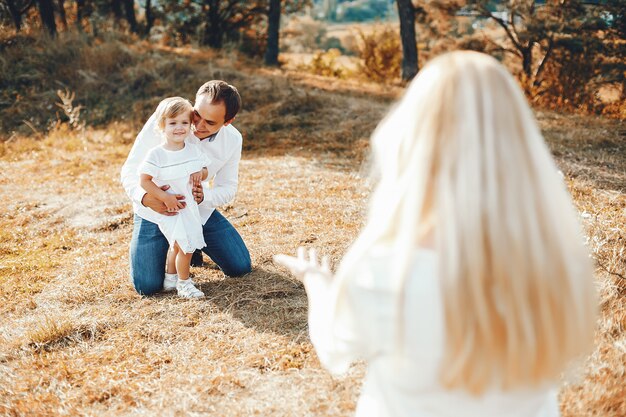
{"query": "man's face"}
pixel 208 117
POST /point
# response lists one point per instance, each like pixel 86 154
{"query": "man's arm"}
pixel 225 182
pixel 153 203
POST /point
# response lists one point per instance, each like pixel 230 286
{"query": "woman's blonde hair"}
pixel 172 107
pixel 461 156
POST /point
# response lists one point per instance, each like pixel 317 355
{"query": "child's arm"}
pixel 170 200
pixel 199 176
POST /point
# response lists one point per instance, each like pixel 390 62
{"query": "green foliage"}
pixel 252 41
pixel 103 76
pixel 179 21
pixel 381 54
pixel 304 34
pixel 575 75
pixel 325 63
pixel 173 22
pixel 563 52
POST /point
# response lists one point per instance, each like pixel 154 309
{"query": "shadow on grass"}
pixel 263 300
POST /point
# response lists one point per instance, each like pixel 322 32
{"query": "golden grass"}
pixel 76 339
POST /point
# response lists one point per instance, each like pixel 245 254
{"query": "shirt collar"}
pixel 211 138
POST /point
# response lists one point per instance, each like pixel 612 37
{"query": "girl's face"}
pixel 177 128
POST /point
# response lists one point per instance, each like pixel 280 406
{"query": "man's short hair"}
pixel 218 91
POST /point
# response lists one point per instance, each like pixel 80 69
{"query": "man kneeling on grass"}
pixel 216 106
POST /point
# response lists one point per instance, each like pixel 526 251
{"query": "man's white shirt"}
pixel 224 151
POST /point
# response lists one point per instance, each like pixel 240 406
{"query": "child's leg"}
pixel 170 266
pixel 185 286
pixel 169 283
pixel 183 260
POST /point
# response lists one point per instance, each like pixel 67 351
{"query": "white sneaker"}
pixel 169 283
pixel 186 289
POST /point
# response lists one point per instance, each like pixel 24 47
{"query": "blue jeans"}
pixel 148 250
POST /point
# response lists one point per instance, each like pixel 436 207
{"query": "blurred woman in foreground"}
pixel 469 291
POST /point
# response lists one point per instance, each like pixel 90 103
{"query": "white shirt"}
pixel 224 152
pixel 403 382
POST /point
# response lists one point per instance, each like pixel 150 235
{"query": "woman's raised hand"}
pixel 300 266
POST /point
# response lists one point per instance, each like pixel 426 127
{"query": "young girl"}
pixel 469 290
pixel 179 165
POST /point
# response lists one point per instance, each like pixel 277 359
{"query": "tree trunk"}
pixel 15 14
pixel 273 28
pixel 61 4
pixel 149 17
pixel 406 10
pixel 129 9
pixel 527 68
pixel 80 10
pixel 330 9
pixel 46 12
pixel 116 8
pixel 213 33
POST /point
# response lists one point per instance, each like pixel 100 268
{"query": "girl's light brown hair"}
pixel 172 107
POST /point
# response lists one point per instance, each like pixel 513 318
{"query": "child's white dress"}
pixel 173 168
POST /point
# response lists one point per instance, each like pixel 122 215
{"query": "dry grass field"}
pixel 75 339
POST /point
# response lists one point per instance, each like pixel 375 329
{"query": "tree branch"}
pixel 512 23
pixel 607 270
pixel 26 7
pixel 502 48
pixel 536 83
pixel 487 13
pixel 248 15
pixel 538 92
pixel 227 12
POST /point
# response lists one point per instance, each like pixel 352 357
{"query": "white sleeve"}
pixel 204 159
pixel 147 139
pixel 333 332
pixel 225 181
pixel 201 160
pixel 150 165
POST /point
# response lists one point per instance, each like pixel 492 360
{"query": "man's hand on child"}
pixel 157 205
pixel 198 193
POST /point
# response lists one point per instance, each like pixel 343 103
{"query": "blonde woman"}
pixel 469 291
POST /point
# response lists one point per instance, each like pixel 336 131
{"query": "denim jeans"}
pixel 148 250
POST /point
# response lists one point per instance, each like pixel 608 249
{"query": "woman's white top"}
pixel 403 382
pixel 174 168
